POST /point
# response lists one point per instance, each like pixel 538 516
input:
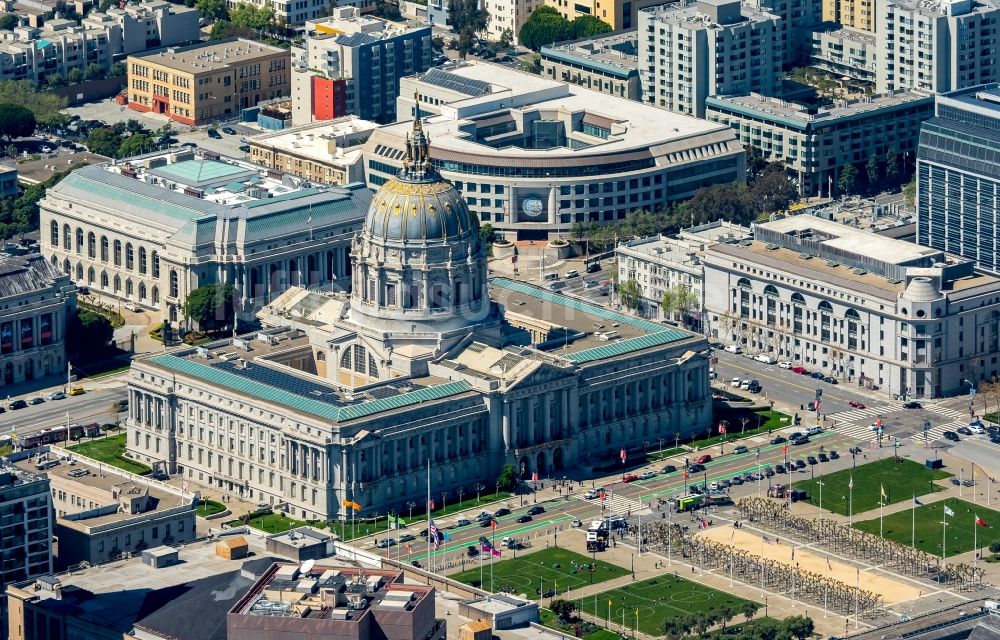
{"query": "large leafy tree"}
pixel 211 9
pixel 44 104
pixel 588 26
pixel 103 142
pixel 468 18
pixel 848 180
pixel 544 26
pixel 211 306
pixel 630 292
pixel 507 479
pixel 251 16
pixel 8 21
pixel 135 144
pixel 16 121
pixel 772 192
pixel 729 202
pixel 88 334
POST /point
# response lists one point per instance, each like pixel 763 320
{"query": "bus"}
pixel 57 434
pixel 687 503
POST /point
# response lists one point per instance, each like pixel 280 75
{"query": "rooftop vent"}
pixel 806 256
pixel 772 247
pixel 858 272
pixel 832 263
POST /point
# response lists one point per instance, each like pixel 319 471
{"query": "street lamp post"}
pixel 411 504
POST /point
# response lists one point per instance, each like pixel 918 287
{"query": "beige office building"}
pixel 857 14
pixel 620 14
pixel 323 152
pixel 204 82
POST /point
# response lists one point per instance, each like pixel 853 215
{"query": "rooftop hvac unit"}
pixel 240 343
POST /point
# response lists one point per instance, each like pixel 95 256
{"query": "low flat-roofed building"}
pixel 102 512
pixel 912 321
pixel 327 152
pixel 327 600
pixel 816 144
pixel 133 600
pixel 302 543
pixel 533 156
pixel 502 611
pixel 607 63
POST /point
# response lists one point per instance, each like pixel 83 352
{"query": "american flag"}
pixel 768 540
pixel 432 532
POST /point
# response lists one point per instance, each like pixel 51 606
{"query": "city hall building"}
pixel 425 362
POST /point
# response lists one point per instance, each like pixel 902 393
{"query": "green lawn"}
pixel 658 599
pixel 553 568
pixel 901 481
pixel 899 526
pixel 768 420
pixel 275 523
pixel 110 450
pixel 209 508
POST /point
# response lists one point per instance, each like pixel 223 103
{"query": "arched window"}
pixel 67 269
pixel 771 290
pixel 142 290
pixel 852 315
pixel 798 299
pixel 90 276
pixel 155 295
pixel 104 248
pixel 54 233
pixel 118 253
pixel 743 283
pixel 320 356
pixel 104 279
pixel 79 272
pixel 128 288
pixel 67 238
pixel 118 284
pixel 129 256
pixel 174 286
pixel 79 240
pixel 825 307
pixel 345 360
pixel 91 245
pixel 156 264
pixel 142 260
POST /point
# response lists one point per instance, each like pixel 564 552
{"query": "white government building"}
pixel 347 398
pixel 913 321
pixel 155 228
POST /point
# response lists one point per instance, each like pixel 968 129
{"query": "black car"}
pixel 189 145
pixel 800 440
pixel 695 489
pixel 229 131
pixel 823 457
pixel 780 468
pixel 811 459
pixel 834 455
pixel 18 404
pixel 696 468
pixel 524 518
pixel 245 148
pixel 737 480
pixel 471 551
pixel 779 440
pixel 212 133
pixel 668 469
pixel 768 472
pixel 799 464
pixel 502 511
pixel 486 522
pixel 830 380
pixel 948 435
pixel 593 267
pixel 965 431
pixel 534 511
pixel 913 405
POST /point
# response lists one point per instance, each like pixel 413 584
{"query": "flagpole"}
pixel 913 523
pixel 975 538
pixel 640 526
pixel 430 555
pixel 850 502
pixel 944 535
pixel 881 505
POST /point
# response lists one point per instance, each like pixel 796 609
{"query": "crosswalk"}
pixel 615 504
pixel 937 432
pixel 949 412
pixel 867 414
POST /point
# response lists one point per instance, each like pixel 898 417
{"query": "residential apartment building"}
pixel 621 15
pixel 25 525
pixel 689 51
pixel 147 25
pixel 101 513
pixel 937 45
pixel 606 64
pixel 155 228
pixel 958 176
pixel 798 19
pixel 200 83
pixel 321 152
pixel 294 12
pixel 872 310
pixel 36 300
pixel 508 15
pixel 856 14
pixel 816 144
pixel 845 52
pixel 661 264
pixel 351 64
pixel 532 156
pixel 53 50
pixel 346 603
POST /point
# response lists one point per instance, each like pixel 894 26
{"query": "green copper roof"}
pixel 214 375
pixel 627 346
pixel 133 200
pixel 572 303
pixel 196 171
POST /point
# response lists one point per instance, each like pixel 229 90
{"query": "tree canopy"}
pixel 8 21
pixel 467 18
pixel 848 180
pixel 211 9
pixel 546 25
pixel 135 144
pixel 16 121
pixel 88 334
pixel 252 17
pixel 211 306
pixel 630 292
pixel 103 142
pixel 507 478
pixel 45 105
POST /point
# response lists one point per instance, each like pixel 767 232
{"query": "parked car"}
pixel 766 358
pixel 406 537
pixel 703 459
pixel 737 480
pixel 245 148
pixel 811 459
pixel 857 405
pixel 36 400
pixel 212 133
pixel 830 380
pixel 951 435
pixel 784 364
pixel 76 391
pixel 502 511
pixel 472 551
pixel 647 475
pixel 229 131
pixel 386 543
pixel 735 382
pixel 834 455
pixel 668 469
pixel 630 477
pixel 800 464
pixel 800 370
pixel 593 267
pixel 823 457
pixel 779 440
pixel 965 431
pixel 818 375
pixel 572 273
pixel 57 395
pixel 734 348
pixel 461 522
pixel 131 306
pixel 780 468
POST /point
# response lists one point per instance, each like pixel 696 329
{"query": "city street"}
pixel 93 406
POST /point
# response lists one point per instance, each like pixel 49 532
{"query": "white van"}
pixel 733 348
pixel 766 358
pixel 814 430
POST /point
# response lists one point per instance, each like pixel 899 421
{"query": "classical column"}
pixel 506 425
pixel 515 426
pixel 573 415
pixel 547 416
